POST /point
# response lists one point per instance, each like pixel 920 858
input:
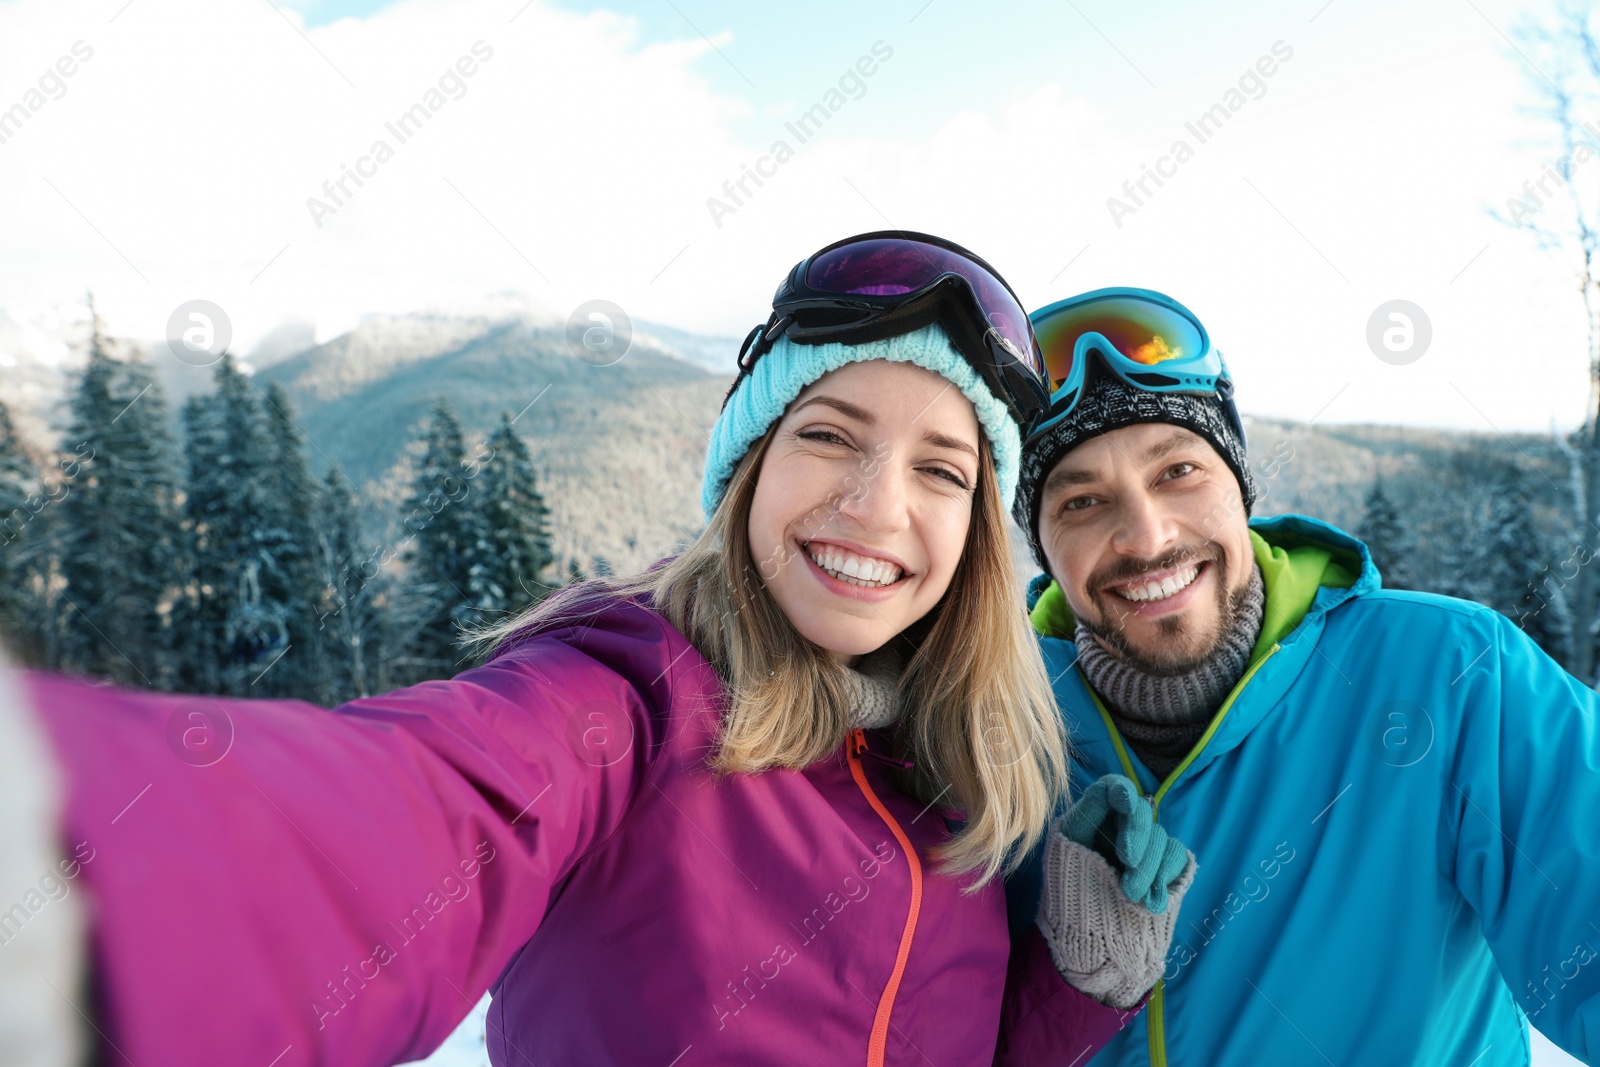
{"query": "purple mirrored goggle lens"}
pixel 894 266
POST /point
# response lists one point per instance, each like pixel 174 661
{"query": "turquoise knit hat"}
pixel 781 375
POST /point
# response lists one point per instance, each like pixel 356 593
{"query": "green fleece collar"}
pixel 1292 574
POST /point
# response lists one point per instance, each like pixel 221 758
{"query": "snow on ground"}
pixel 1545 1054
pixel 465 1047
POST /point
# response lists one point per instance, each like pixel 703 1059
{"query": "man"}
pixel 1394 797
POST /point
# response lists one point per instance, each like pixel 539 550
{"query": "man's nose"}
pixel 1144 530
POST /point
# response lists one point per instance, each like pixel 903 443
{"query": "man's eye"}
pixel 1178 470
pixel 1077 503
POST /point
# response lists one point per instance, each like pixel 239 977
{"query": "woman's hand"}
pixel 42 944
pixel 1113 881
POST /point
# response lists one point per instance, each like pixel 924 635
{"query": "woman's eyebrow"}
pixel 854 411
pixel 934 437
pixel 862 415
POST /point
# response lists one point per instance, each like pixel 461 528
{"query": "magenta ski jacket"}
pixel 277 884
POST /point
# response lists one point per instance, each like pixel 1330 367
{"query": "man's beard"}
pixel 1166 660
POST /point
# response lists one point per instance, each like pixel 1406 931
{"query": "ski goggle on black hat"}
pixel 1146 338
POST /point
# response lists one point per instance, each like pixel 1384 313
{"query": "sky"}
pixel 593 152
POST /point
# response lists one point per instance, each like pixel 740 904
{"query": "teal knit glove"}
pixel 1113 818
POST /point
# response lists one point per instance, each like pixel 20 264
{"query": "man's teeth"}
pixel 1166 587
pixel 851 568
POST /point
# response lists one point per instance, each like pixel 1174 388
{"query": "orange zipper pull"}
pixel 859 749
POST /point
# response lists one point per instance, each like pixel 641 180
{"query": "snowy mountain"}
pixel 618 441
pixel 719 355
pixel 619 444
pixel 33 353
pixel 42 349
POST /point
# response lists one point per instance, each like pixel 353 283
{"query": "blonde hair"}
pixel 980 720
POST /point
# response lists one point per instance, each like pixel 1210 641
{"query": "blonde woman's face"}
pixel 863 501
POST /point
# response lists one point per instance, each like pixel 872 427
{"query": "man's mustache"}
pixel 1128 570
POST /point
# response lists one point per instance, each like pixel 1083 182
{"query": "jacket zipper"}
pixel 877 1045
pixel 1157 1006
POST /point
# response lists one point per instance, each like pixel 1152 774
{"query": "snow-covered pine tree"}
pixel 1511 562
pixel 1456 524
pixel 1385 537
pixel 18 481
pixel 517 551
pixel 348 620
pixel 201 612
pixel 118 528
pixel 447 535
pixel 289 575
pixel 233 629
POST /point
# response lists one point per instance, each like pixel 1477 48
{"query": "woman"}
pixel 749 806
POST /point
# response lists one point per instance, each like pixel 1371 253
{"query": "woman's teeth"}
pixel 1146 591
pixel 851 568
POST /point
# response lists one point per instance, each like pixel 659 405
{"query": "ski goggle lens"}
pixel 1140 330
pixel 893 266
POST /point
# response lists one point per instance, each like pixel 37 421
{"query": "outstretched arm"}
pixel 276 883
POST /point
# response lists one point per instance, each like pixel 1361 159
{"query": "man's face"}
pixel 1145 529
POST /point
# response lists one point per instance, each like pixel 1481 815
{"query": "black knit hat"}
pixel 1109 403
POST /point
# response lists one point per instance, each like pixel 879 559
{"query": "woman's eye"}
pixel 950 476
pixel 825 436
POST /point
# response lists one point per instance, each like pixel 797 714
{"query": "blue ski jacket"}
pixel 1396 814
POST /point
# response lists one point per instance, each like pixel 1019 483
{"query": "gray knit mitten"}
pixel 1103 943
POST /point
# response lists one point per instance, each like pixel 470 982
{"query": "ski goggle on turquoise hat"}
pixel 1146 338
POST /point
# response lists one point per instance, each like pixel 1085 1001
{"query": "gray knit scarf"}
pixel 1163 717
pixel 874 684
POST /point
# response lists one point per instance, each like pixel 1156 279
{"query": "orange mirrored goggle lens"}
pixel 1141 331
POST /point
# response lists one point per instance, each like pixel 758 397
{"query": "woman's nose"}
pixel 876 498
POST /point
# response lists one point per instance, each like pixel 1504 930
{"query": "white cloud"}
pixel 578 164
pixel 194 136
